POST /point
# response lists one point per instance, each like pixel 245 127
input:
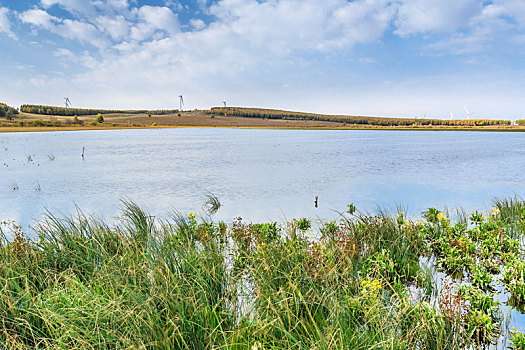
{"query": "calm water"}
pixel 257 174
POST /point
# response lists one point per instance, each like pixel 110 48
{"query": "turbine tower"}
pixel 224 102
pixel 451 115
pixel 181 102
pixel 468 113
pixel 68 103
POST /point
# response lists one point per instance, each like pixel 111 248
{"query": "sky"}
pixel 405 58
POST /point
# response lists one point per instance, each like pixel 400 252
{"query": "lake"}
pixel 259 175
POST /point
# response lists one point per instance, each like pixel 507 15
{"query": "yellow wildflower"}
pixel 440 216
pixel 371 286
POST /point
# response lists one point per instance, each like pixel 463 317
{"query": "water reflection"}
pixel 258 174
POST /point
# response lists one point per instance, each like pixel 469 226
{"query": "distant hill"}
pixel 262 113
pixel 360 120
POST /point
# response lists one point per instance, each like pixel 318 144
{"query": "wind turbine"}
pixel 68 103
pixel 451 116
pixel 468 113
pixel 224 102
pixel 181 102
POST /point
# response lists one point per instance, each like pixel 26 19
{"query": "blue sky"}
pixel 364 57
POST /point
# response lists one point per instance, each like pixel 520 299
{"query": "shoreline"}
pixel 123 127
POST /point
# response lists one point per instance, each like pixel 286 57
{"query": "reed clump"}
pixel 189 283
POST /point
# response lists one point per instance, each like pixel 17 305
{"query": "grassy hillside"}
pixel 379 121
pixel 52 117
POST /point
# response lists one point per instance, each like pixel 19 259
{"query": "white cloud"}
pixel 197 24
pixel 363 21
pixel 176 5
pixel 512 8
pixel 151 20
pixel 78 7
pixel 118 4
pixel 487 29
pixel 39 18
pixel 81 31
pixel 160 18
pixel 67 28
pixel 115 26
pixel 422 16
pixel 304 25
pixel 89 9
pixel 5 23
pixel 64 53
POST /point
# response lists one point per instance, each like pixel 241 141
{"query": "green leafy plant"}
pixel 517 340
pixel 304 224
pixel 480 277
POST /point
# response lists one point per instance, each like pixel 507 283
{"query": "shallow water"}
pixel 257 174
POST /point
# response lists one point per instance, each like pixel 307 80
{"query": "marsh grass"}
pixel 512 211
pixel 184 283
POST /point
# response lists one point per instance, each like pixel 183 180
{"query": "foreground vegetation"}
pixel 361 282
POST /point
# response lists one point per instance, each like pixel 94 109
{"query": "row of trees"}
pixel 7 111
pixel 276 114
pixel 62 111
pixel 163 111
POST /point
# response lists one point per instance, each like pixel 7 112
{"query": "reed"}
pixel 512 211
pixel 185 283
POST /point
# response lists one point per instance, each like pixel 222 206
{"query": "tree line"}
pixel 62 111
pixel 7 111
pixel 379 121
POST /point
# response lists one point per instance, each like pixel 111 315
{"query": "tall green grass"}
pixel 184 283
pixel 512 212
